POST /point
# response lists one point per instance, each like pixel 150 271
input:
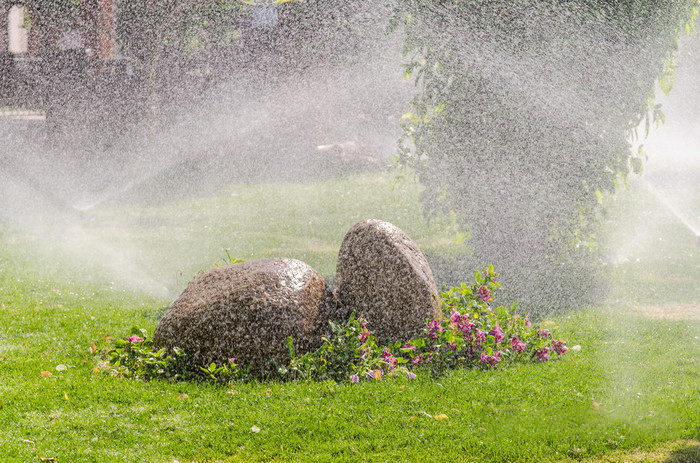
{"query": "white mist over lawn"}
pixel 670 184
pixel 672 172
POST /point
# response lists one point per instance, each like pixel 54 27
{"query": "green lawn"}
pixel 630 394
pixel 158 249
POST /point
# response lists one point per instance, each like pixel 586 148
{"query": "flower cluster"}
pixel 484 294
pixel 364 332
pixel 491 360
pixel 390 361
pixel 434 327
pixel 518 346
pixel 472 334
pixel 559 347
pixel 497 334
pixel 134 338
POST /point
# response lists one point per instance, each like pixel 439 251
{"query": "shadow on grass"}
pixel 685 454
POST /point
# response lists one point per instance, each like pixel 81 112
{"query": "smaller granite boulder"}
pixel 382 275
pixel 247 311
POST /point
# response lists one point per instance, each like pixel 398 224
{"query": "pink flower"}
pixel 135 338
pixel 363 336
pixel 408 345
pixel 479 339
pixel 517 344
pixel 483 294
pixel 542 333
pixel 559 347
pixel 232 360
pixel 466 328
pixel 389 359
pixel 364 332
pixel 410 375
pixel 422 359
pixel 452 346
pixel 462 323
pixel 491 360
pixel 434 328
pixel 542 354
pixel 497 333
pixel 354 379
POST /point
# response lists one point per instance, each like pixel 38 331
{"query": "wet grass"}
pixel 149 248
pixel 630 394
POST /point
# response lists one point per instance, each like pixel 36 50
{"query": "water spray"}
pixel 672 206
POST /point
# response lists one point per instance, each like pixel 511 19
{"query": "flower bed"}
pixel 471 334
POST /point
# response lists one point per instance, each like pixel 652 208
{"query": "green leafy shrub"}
pixel 135 357
pixel 472 334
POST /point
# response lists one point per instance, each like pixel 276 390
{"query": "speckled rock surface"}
pixel 246 311
pixel 382 275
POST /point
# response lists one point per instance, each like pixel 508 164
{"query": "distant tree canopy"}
pixel 524 118
pixel 205 34
pixel 143 28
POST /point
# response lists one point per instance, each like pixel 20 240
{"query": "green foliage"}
pixel 348 350
pixel 223 373
pixel 525 114
pixel 135 357
pixel 229 260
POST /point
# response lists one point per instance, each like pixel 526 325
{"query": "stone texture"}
pixel 246 311
pixel 382 275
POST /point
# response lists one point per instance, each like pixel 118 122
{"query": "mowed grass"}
pixel 159 248
pixel 632 392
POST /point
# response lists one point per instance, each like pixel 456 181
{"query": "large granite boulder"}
pixel 246 311
pixel 382 275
